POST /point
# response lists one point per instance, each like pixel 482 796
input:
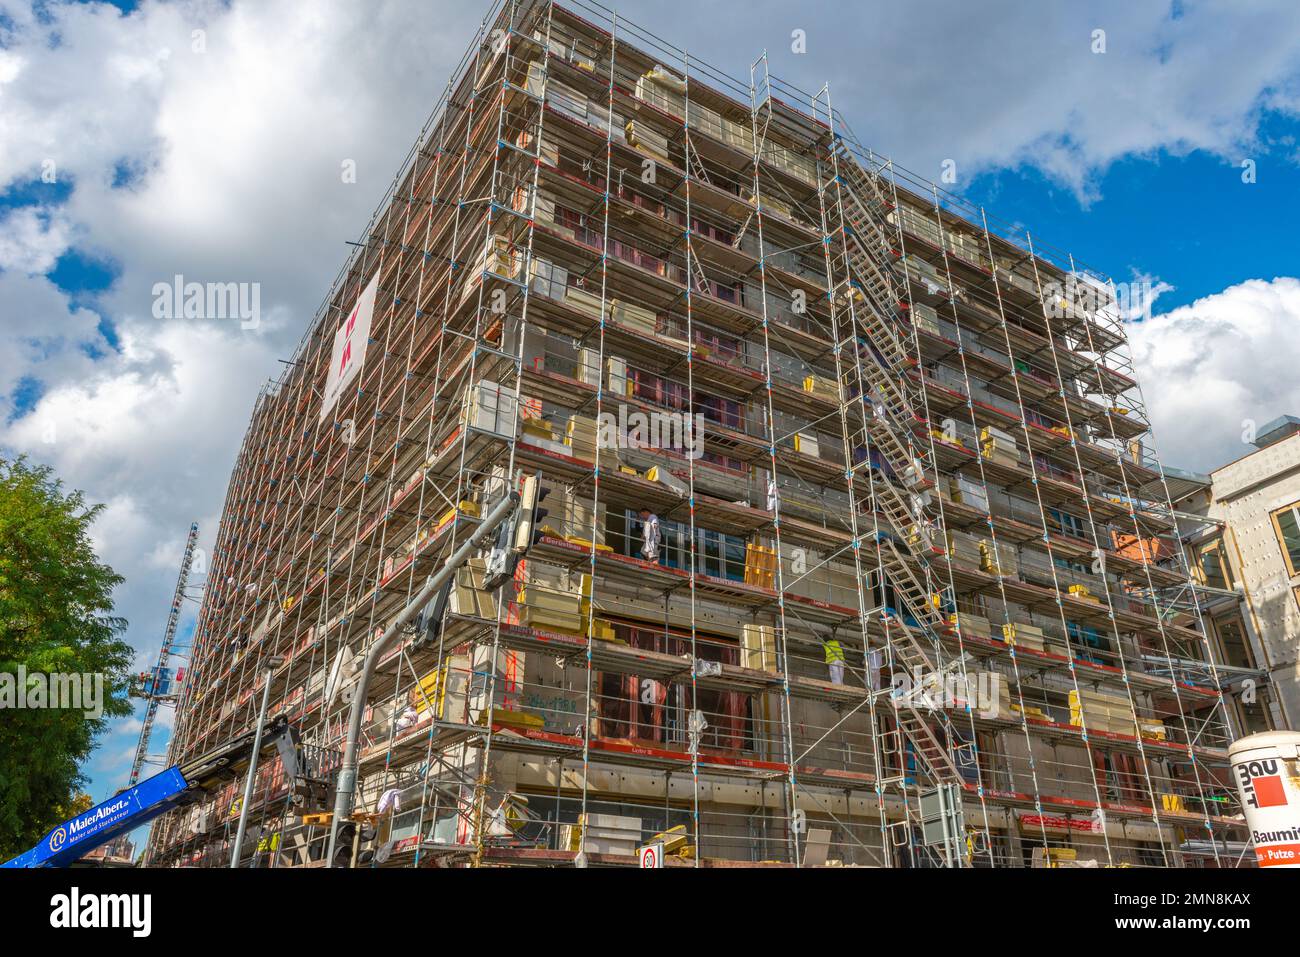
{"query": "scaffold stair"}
pixel 876 385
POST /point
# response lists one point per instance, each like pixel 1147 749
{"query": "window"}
pixel 1075 568
pixel 657 390
pixel 716 233
pixel 639 199
pixel 1120 778
pixel 571 219
pixel 1232 642
pixel 719 346
pixel 724 462
pixel 1213 565
pixel 1087 638
pixel 1067 523
pixel 1286 522
pixel 716 553
pixel 727 293
pixel 1254 714
pixel 725 412
pixel 648 709
pixel 720 555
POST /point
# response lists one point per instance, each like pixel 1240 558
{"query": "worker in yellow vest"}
pixel 835 661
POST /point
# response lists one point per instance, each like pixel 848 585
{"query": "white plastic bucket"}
pixel 1266 768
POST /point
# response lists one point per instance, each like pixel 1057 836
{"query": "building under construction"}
pixel 854 550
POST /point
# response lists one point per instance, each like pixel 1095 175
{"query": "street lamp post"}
pixel 347 781
pixel 270 664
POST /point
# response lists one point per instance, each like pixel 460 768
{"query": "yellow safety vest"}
pixel 834 652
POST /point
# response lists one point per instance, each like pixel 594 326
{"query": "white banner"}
pixel 349 351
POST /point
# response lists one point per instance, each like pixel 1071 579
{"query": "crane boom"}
pixel 153 694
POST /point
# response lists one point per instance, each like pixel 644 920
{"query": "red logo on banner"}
pixel 1269 792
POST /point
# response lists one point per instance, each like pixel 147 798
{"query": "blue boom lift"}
pixel 177 786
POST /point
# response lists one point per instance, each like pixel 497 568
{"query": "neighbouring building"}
pixel 851 504
pixel 1241 524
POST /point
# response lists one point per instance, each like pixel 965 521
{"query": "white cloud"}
pixel 1136 298
pixel 1008 83
pixel 42 335
pixel 220 165
pixel 1211 368
pixel 142 418
pixel 32 238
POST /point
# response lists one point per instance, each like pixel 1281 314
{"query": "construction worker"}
pixel 834 661
pixel 409 718
pixel 875 659
pixel 650 535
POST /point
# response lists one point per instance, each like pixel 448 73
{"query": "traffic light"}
pixel 501 561
pixel 527 530
pixel 428 624
pixel 348 833
pixel 343 844
pixel 517 535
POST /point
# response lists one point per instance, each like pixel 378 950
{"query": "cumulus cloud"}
pixel 32 238
pixel 1213 368
pixel 42 335
pixel 198 139
pixel 1007 83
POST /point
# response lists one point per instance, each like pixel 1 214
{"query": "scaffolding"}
pixel 851 503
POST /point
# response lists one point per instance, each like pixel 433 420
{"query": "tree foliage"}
pixel 56 617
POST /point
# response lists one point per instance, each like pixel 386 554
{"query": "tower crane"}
pixel 160 684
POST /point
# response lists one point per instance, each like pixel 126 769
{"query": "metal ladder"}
pixel 877 380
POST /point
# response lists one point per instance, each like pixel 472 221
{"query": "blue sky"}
pixel 1188 219
pixel 217 157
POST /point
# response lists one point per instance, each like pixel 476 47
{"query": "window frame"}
pixel 1217 548
pixel 1273 514
pixel 623 711
pixel 1223 639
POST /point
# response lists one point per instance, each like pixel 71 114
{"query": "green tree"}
pixel 56 616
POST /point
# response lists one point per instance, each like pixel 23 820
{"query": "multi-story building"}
pixel 821 440
pixel 1241 524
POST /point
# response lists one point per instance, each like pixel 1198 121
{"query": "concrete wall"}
pixel 1246 492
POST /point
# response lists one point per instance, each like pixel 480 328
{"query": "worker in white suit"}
pixel 651 535
pixel 409 718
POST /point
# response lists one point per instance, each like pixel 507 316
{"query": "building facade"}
pixel 1242 527
pixel 848 506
